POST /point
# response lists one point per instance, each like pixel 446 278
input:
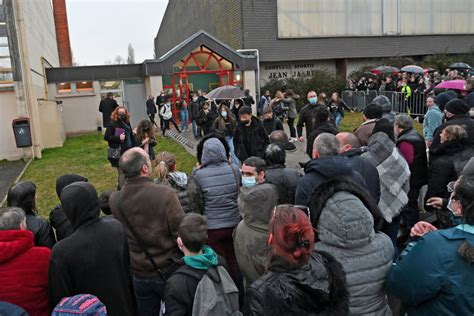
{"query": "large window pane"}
pixel 5 63
pixel 4 51
pixel 6 76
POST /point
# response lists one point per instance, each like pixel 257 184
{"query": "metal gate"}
pixel 135 99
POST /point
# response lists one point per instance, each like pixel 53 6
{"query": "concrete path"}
pixel 9 172
pixel 186 139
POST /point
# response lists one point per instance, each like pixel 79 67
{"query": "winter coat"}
pixel 447 162
pixel 319 170
pixel 464 120
pixel 44 235
pixel 205 120
pixel 94 259
pixel 219 182
pixel 338 107
pixel 181 288
pixel 12 310
pixel 306 119
pixel 155 212
pixel 394 174
pixel 24 272
pixel 58 219
pixel 433 118
pixel 434 277
pixel 150 107
pixel 419 165
pixel 251 235
pixel 250 140
pixel 272 125
pixel 319 128
pixel 285 180
pixel 317 288
pixel 194 108
pixel 115 142
pixel 187 190
pixel 229 128
pixel 166 112
pixel 248 100
pixel 366 169
pixel 364 131
pixel 346 231
pixel 106 107
pixel 291 104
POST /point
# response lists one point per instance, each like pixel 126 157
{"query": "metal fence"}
pixel 401 103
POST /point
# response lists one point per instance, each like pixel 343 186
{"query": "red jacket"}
pixel 24 272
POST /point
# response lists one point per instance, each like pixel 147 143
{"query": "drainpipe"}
pixel 43 67
pixel 255 51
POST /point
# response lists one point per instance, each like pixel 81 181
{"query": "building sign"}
pixel 285 71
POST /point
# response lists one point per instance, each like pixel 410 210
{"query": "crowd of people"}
pixel 245 233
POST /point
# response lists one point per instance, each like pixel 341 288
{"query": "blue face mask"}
pixel 313 100
pixel 224 114
pixel 249 182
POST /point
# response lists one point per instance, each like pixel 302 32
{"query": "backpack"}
pixel 216 294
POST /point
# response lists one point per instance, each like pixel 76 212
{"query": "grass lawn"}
pixel 86 155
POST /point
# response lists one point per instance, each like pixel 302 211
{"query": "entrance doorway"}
pixel 202 69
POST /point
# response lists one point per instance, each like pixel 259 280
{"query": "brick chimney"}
pixel 62 33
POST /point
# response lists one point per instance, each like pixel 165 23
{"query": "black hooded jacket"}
pixel 250 140
pixel 94 259
pixel 317 288
pixel 57 217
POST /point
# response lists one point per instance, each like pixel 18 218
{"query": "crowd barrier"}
pixel 401 103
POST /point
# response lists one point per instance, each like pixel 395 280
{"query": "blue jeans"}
pixel 184 119
pixel 149 293
pixel 233 157
pixel 337 118
pixel 195 128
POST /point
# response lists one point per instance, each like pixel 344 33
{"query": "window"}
pixel 114 86
pixel 5 62
pixel 4 51
pixel 75 88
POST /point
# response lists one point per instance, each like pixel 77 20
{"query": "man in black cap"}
pixel 456 112
pixel 106 107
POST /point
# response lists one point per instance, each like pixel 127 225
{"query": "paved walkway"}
pixel 9 172
pixel 292 158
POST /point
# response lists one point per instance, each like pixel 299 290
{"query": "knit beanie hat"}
pixel 457 106
pixel 82 304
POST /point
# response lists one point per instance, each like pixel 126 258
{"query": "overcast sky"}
pixel 102 29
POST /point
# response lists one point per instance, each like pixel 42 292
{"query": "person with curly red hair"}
pixel 310 282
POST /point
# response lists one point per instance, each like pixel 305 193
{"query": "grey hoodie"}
pixel 345 230
pixel 250 237
pixel 219 182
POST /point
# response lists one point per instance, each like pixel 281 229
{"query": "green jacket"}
pixel 431 278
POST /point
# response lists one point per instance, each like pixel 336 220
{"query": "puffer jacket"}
pixel 44 235
pixel 187 190
pixel 251 235
pixel 219 182
pixel 317 288
pixel 346 231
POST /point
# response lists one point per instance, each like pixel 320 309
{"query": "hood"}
pixel 345 222
pixel 179 178
pixel 80 203
pixel 335 166
pixel 204 261
pixel 256 205
pixel 213 152
pixel 447 148
pixel 380 146
pixel 444 97
pixel 67 179
pixel 14 242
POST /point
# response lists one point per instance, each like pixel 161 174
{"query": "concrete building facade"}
pixel 27 48
pixel 294 37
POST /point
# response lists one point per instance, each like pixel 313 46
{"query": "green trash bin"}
pixel 22 132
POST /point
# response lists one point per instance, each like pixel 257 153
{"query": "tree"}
pixel 119 60
pixel 131 54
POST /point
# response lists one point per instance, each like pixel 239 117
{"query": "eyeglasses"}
pixel 450 186
pixel 303 208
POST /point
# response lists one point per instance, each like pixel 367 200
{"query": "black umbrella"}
pixel 459 66
pixel 370 75
pixel 226 93
pixel 413 69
